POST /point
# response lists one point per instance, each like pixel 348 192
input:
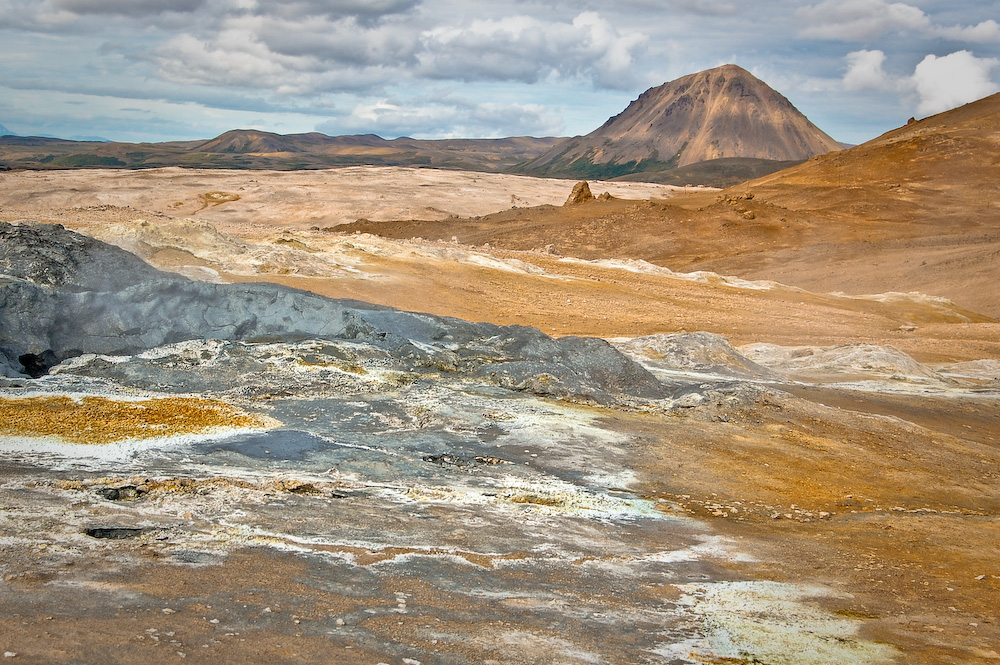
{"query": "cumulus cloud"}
pixel 937 83
pixel 865 20
pixel 865 72
pixel 985 32
pixel 527 49
pixel 328 54
pixel 344 42
pixel 860 20
pixel 946 82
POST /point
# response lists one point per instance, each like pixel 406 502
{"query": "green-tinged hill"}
pixel 253 149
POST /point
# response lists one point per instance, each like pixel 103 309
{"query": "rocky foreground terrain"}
pixel 245 416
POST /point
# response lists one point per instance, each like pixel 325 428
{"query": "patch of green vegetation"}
pixel 724 172
pixel 584 168
pixel 87 159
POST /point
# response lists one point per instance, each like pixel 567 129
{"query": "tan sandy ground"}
pixel 912 526
pixel 246 202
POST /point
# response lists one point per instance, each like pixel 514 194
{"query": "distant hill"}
pixel 254 149
pixel 6 132
pixel 719 113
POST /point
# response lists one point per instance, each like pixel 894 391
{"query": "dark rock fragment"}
pixel 115 532
pixel 123 493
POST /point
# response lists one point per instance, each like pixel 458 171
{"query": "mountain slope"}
pixel 718 113
pixel 945 165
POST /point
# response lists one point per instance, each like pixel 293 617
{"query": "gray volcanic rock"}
pixel 65 295
pixel 49 255
pixel 700 352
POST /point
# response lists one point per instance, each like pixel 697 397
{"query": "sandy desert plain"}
pixel 788 452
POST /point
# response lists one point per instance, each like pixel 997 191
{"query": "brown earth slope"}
pixel 913 210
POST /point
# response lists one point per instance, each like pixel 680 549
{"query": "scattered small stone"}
pixel 167 610
pixel 9 654
pixel 487 459
pixel 340 622
pixel 446 460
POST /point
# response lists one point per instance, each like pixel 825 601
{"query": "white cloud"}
pixel 946 82
pixel 860 20
pixel 339 43
pixel 321 54
pixel 985 32
pixel 865 20
pixel 864 71
pixel 527 49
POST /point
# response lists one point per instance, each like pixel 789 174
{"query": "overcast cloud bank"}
pixel 143 69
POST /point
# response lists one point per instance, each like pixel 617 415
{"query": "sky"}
pixel 159 70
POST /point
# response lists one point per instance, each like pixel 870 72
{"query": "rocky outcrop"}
pixel 63 295
pixel 581 193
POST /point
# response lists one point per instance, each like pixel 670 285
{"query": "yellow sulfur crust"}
pixel 97 420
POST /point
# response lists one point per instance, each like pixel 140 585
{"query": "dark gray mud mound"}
pixel 50 255
pixel 63 295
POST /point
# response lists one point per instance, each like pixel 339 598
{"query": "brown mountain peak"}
pixel 718 113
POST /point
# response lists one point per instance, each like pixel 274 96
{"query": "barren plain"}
pixel 787 454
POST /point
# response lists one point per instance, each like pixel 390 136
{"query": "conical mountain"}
pixel 719 113
pixel 249 141
pixel 5 132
